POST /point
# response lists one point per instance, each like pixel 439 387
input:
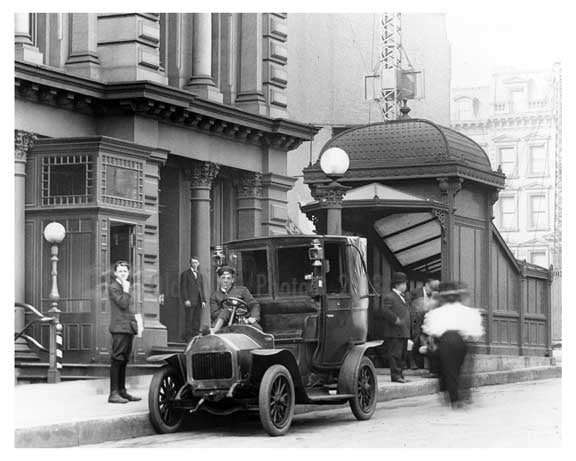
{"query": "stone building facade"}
pixel 151 138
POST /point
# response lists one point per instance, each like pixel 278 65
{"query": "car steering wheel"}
pixel 241 309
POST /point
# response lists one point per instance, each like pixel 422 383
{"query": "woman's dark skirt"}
pixel 451 353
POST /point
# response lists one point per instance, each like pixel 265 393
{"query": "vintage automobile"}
pixel 313 295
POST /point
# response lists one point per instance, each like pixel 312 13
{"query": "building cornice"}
pixel 100 144
pixel 503 121
pixel 53 87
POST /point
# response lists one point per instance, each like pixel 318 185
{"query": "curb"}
pixel 87 432
pixel 115 428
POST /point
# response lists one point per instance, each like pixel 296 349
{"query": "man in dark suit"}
pixel 420 302
pixel 193 298
pixel 396 325
pixel 123 327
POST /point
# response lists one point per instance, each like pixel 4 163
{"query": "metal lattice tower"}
pixel 391 63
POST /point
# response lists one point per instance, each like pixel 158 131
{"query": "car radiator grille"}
pixel 212 365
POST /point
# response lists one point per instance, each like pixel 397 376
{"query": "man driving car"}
pixel 219 312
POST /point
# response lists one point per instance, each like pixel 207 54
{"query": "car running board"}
pixel 330 398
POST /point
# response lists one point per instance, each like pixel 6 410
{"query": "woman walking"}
pixel 450 325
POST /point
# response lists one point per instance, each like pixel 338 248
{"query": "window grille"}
pixel 67 180
pixel 122 182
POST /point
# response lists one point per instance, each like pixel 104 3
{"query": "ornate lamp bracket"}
pixel 441 216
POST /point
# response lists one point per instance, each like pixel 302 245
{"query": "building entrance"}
pixel 122 244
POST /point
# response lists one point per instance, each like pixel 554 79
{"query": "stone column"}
pixel 251 94
pixel 331 196
pixel 250 205
pixel 24 48
pixel 201 82
pixel 23 143
pixel 201 176
pixel 83 59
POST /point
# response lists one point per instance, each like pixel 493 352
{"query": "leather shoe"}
pixel 115 397
pixel 130 398
pixel 399 380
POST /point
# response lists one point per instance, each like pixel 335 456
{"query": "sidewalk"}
pixel 77 412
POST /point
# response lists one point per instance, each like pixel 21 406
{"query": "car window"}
pixel 336 275
pixel 253 275
pixel 293 266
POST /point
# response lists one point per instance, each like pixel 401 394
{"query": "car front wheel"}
pixel 163 389
pixel 276 400
pixel 365 387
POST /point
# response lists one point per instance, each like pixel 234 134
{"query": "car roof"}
pixel 284 238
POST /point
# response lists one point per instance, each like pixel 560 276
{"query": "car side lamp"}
pixel 219 257
pixel 316 255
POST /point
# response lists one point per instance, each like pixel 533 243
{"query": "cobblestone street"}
pixel 515 415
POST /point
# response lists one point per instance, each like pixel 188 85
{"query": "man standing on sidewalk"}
pixel 396 326
pixel 193 298
pixel 420 302
pixel 123 327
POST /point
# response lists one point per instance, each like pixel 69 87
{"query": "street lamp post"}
pixel 334 163
pixel 54 233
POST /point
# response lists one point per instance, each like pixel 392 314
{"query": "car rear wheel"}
pixel 365 387
pixel 276 400
pixel 163 389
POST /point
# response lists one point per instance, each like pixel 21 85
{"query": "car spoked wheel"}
pixel 365 386
pixel 164 416
pixel 276 400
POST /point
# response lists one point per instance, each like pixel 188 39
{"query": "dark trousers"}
pixel 121 346
pixel 450 353
pixel 121 350
pixel 396 354
pixel 192 321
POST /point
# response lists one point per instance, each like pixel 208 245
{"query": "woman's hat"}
pixel 223 269
pixel 399 277
pixel 451 288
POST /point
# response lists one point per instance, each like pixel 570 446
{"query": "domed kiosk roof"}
pixel 409 148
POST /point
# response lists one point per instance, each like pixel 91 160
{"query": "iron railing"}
pixel 55 348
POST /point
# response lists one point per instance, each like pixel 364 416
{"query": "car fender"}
pixel 176 360
pixel 262 359
pixel 351 362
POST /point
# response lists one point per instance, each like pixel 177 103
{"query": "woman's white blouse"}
pixel 454 316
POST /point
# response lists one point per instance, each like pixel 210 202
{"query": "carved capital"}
pixel 23 142
pixel 250 185
pixel 449 185
pixel 202 174
pixel 331 194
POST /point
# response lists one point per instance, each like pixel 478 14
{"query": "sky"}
pixel 484 40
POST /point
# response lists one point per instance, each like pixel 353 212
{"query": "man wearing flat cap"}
pixel 395 313
pixel 227 289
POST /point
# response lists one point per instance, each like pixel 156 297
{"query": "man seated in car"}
pixel 220 313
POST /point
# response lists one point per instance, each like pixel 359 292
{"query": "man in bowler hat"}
pixel 394 312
